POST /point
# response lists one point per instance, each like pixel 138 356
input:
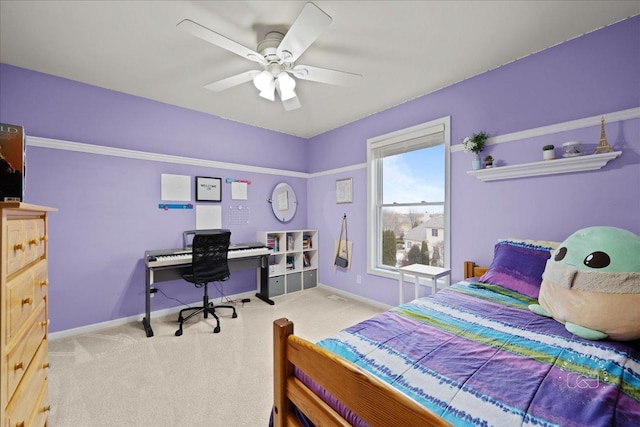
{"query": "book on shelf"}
pixel 291 263
pixel 305 260
pixel 273 241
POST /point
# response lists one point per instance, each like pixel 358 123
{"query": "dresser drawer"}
pixel 15 246
pixel 26 241
pixel 32 240
pixel 41 412
pixel 40 280
pixel 41 238
pixel 21 356
pixel 24 293
pixel 31 399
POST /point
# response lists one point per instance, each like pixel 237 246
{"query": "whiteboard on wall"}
pixel 208 217
pixel 175 187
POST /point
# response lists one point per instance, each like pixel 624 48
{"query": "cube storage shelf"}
pixel 293 265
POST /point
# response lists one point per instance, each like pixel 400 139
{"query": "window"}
pixel 408 192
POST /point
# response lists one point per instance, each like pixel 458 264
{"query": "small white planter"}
pixel 548 154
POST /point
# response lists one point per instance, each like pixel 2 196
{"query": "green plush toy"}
pixel 592 284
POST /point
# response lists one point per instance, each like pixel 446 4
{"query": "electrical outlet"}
pixel 359 279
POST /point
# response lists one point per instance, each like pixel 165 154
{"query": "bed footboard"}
pixel 373 400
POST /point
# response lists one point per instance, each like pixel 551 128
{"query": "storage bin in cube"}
pixel 276 286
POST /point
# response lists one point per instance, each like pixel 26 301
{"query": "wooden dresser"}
pixel 24 315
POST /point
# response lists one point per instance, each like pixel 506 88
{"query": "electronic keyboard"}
pixel 169 257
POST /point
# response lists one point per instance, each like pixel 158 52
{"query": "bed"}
pixel 472 354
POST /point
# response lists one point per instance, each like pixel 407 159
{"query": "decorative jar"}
pixel 572 149
pixel 476 163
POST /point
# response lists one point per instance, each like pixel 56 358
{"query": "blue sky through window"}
pixel 414 176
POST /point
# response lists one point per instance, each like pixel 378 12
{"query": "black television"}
pixel 12 162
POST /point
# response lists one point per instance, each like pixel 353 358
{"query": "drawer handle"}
pixel 18 247
pixel 33 242
pixel 44 323
pixel 43 282
pixel 46 408
pixel 18 366
pixel 46 365
pixel 43 238
pixel 20 424
pixel 27 300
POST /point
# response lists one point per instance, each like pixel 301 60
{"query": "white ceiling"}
pixel 403 49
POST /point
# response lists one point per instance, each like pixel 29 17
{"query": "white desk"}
pixel 418 271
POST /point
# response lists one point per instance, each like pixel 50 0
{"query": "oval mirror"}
pixel 283 202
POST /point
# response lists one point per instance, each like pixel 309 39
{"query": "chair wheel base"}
pixel 216 329
pixel 234 315
pixel 179 332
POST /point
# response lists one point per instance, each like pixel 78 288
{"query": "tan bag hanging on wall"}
pixel 343 262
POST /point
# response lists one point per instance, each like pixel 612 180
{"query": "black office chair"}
pixel 208 264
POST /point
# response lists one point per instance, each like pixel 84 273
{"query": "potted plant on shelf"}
pixel 488 162
pixel 548 152
pixel 475 143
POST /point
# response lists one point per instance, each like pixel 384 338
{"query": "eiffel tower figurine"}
pixel 603 145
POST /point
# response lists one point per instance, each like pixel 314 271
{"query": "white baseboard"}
pixel 171 310
pixel 135 318
pixel 356 297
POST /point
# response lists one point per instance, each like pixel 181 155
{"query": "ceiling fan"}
pixel 277 54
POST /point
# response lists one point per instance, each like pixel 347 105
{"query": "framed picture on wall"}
pixel 344 193
pixel 208 189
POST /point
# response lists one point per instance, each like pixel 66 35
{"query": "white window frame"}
pixel 374 188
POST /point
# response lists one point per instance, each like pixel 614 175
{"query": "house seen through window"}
pixel 408 191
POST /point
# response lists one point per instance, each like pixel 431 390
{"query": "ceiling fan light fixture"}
pixel 269 91
pixel 287 86
pixel 286 81
pixel 263 81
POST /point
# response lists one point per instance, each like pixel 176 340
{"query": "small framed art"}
pixel 208 189
pixel 344 190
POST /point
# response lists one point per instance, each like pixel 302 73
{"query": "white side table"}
pixel 418 271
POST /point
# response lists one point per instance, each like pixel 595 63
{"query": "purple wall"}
pixel 592 75
pixel 108 205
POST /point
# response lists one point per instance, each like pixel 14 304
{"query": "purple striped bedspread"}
pixel 476 356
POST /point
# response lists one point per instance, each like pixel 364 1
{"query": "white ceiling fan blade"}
pixel 232 81
pixel 212 37
pixel 291 103
pixel 311 22
pixel 325 75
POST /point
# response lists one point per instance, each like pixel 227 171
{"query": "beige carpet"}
pixel 119 377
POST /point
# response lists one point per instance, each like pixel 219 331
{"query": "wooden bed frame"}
pixel 373 400
pixel 473 270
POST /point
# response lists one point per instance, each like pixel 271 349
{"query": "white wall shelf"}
pixel 548 167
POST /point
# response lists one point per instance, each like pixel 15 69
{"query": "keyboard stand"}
pixel 174 272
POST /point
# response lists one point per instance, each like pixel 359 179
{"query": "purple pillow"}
pixel 518 265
